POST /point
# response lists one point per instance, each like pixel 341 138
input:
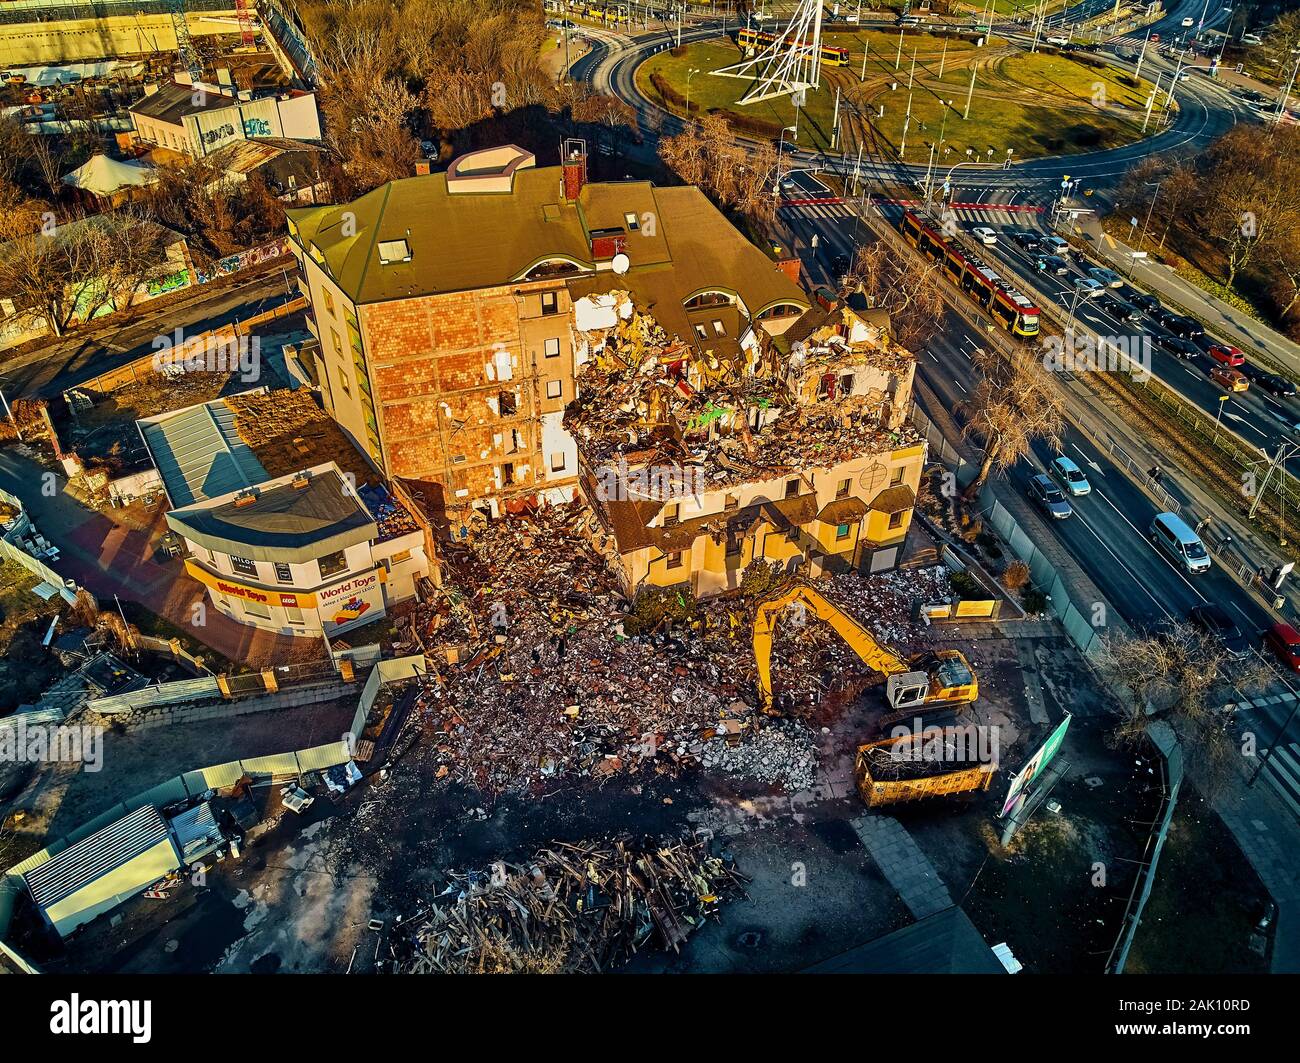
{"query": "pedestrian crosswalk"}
pixel 967 212
pixel 1281 771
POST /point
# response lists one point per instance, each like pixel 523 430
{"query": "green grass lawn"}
pixel 1035 104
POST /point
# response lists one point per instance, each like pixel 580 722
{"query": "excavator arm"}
pixel 908 688
pixel 859 639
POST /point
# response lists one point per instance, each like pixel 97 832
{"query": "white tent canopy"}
pixel 103 176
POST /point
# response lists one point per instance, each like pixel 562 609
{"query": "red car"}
pixel 1284 641
pixel 1227 354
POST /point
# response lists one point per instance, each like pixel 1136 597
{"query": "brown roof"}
pixel 629 522
pixel 894 499
pixel 843 511
pixel 690 247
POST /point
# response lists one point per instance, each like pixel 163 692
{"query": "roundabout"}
pixel 1203 110
pixel 909 91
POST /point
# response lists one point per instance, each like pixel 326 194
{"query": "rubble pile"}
pixel 884 601
pixel 732 412
pixel 537 679
pixel 572 909
pixel 390 516
pixel 925 754
pixel 782 755
pixel 554 685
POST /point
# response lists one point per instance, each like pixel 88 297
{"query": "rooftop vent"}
pixel 246 497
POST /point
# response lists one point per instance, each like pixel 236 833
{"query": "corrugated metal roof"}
pixel 195 827
pixel 199 453
pixel 93 857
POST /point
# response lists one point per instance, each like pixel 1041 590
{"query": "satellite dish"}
pixel 621 263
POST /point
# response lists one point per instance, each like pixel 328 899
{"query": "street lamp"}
pixel 1142 238
pixel 1219 416
pixel 780 155
pixel 690 74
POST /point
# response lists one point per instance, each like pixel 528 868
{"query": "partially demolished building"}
pixel 447 307
pixel 795 451
pixel 503 335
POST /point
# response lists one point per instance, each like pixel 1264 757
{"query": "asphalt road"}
pixel 1107 535
pixel 61 364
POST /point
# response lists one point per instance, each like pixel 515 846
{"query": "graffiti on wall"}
pixel 254 256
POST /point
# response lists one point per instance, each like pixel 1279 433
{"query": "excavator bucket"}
pixel 906 689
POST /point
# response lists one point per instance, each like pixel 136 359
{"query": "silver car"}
pixel 1049 498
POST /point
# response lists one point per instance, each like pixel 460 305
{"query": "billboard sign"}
pixel 1035 765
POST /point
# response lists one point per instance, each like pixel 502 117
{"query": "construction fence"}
pixel 1043 574
pixel 195 783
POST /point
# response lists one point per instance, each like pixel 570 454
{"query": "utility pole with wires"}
pixel 1276 466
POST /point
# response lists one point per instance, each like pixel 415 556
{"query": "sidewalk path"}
pixel 901 861
pixel 109 556
pixel 1218 316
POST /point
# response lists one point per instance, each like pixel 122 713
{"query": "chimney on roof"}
pixel 574 158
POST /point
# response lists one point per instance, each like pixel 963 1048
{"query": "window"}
pixel 719 329
pixel 733 544
pixel 671 514
pixel 294 615
pixel 897 477
pixel 792 487
pixel 332 564
pixel 842 491
pixel 896 520
pixel 675 559
pixel 257 609
pixel 329 301
pixel 283 572
pixel 553 348
pixel 243 565
pixel 846 384
pixel 731 502
pixel 631 219
pixel 557 461
pixel 701 331
pixel 554 389
pixel 507 403
pixel 399 557
pixel 549 303
pixel 212 558
pixel 391 251
pixel 337 340
pixel 842 531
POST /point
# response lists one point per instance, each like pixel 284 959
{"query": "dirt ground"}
pixel 301 896
pixel 25 668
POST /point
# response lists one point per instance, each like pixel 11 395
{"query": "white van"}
pixel 1060 42
pixel 1171 534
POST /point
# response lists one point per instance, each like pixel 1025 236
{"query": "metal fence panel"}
pixel 163 694
pixel 162 794
pixel 318 758
pixel 212 778
pixel 275 764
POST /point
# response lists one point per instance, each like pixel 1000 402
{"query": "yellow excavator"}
pixel 943 677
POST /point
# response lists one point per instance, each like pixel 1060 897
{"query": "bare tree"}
pixel 1183 677
pixel 706 155
pixel 905 285
pixel 1014 403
